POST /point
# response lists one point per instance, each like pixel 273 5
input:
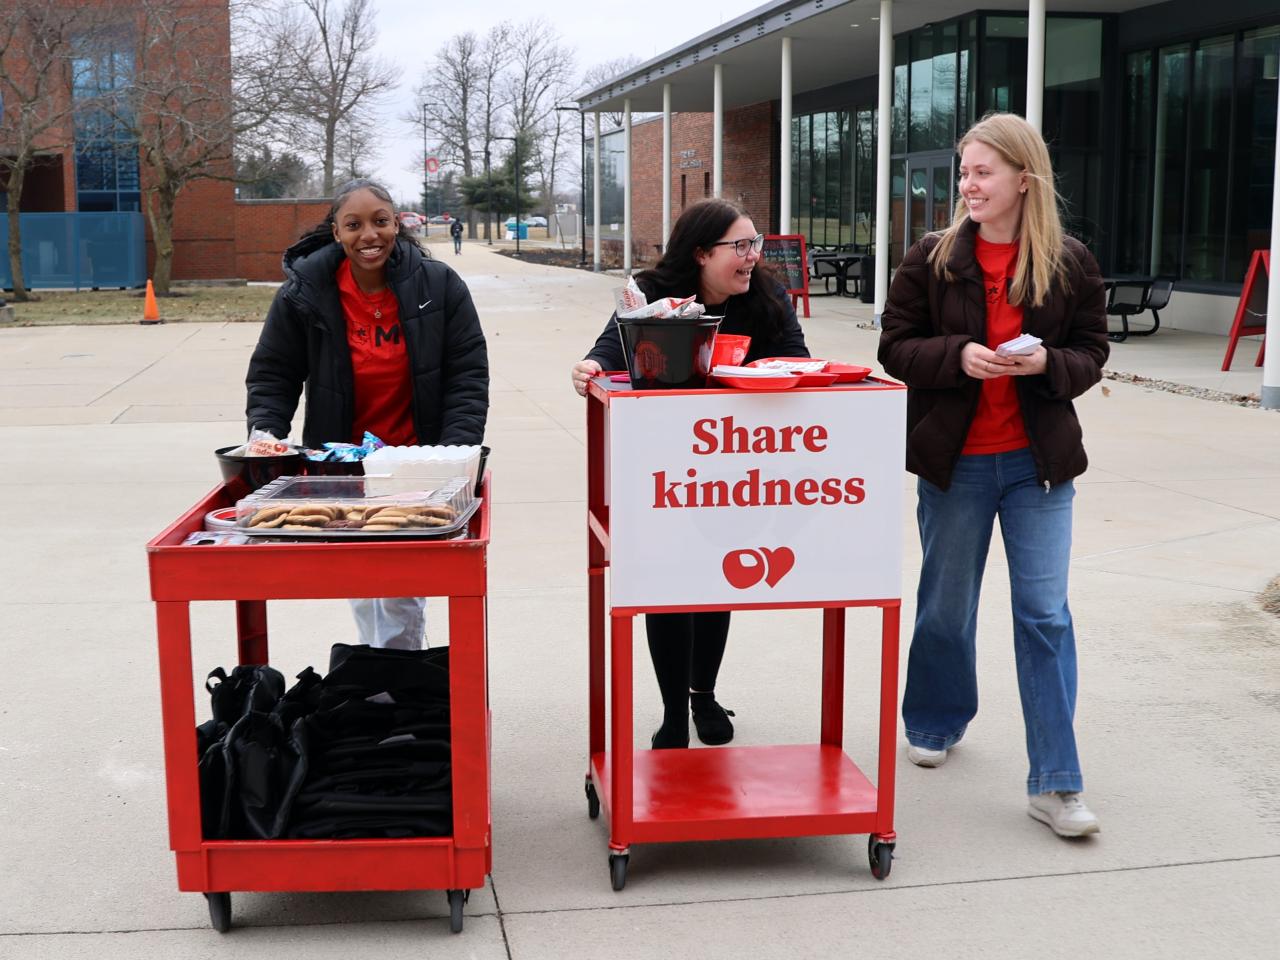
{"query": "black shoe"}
pixel 711 719
pixel 671 736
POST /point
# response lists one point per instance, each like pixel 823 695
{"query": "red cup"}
pixel 729 349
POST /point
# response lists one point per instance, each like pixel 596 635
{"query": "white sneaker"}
pixel 1065 813
pixel 924 757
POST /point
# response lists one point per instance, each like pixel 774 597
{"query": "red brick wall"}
pixel 748 170
pixel 264 228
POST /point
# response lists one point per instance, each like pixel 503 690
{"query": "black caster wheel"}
pixel 881 856
pixel 618 869
pixel 593 801
pixel 219 911
pixel 456 899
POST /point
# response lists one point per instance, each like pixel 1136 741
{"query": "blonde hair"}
pixel 1041 257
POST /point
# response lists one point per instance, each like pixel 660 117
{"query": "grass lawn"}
pixel 192 305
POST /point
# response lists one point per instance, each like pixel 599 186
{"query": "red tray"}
pixel 847 372
pixel 759 384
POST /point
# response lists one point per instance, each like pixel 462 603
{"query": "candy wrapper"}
pixel 632 305
pixel 346 452
pixel 261 443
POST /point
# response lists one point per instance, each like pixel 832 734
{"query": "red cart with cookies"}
pixel 742 499
pixel 186 566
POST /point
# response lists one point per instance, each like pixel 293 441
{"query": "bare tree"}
pixel 335 82
pixel 601 74
pixel 460 99
pixel 541 72
pixel 36 105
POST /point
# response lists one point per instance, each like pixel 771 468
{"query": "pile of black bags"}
pixel 360 752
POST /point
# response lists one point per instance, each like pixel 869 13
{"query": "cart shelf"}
pixel 734 793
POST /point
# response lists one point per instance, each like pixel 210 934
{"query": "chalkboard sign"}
pixel 785 253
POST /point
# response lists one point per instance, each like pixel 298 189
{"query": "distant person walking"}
pixel 455 231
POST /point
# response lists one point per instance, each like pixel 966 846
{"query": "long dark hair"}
pixel 325 227
pixel 677 274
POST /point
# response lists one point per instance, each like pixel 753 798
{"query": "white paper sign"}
pixel 775 498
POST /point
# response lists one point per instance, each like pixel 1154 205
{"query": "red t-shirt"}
pixel 998 427
pixel 380 362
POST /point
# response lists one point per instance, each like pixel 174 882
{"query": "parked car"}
pixel 527 221
pixel 410 219
pixel 441 218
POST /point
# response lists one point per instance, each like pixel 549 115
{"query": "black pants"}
pixel 686 649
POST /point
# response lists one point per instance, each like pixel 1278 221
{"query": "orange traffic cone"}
pixel 150 312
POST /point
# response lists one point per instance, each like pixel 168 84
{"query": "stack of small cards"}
pixel 1019 346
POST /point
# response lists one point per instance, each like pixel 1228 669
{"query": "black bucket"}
pixel 670 354
pixel 255 472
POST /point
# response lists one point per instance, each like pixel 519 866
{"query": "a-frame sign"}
pixel 1251 314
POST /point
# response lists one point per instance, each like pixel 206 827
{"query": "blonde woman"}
pixel 997 436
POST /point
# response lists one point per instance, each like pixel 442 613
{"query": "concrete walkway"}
pixel 111 432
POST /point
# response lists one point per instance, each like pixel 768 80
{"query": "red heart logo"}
pixel 743 568
pixel 778 563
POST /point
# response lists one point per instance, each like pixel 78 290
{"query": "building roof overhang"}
pixel 832 41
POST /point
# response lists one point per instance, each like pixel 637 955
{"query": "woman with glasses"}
pixel 714 253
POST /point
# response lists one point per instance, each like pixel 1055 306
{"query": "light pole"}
pixel 582 177
pixel 426 184
pixel 488 176
pixel 516 171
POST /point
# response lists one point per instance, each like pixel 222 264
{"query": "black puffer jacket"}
pixel 928 320
pixel 304 340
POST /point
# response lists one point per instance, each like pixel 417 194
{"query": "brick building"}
pixel 750 145
pixel 89 164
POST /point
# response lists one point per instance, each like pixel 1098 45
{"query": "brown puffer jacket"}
pixel 928 320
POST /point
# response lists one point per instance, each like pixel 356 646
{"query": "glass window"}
pixel 818 180
pixel 1004 65
pixel 1073 118
pixel 848 164
pixel 946 39
pixel 864 204
pixel 1134 198
pixel 1170 157
pixel 804 178
pixel 900 85
pixel 920 133
pixel 835 167
pixel 1210 130
pixel 1253 165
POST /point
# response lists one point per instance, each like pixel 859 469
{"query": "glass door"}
pixel 929 196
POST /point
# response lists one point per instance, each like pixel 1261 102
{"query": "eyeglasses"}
pixel 740 247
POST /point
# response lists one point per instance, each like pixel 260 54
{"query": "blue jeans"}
pixel 941 695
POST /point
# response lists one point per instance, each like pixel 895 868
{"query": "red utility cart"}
pixel 249 575
pixel 805 495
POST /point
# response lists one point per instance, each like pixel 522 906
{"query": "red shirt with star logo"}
pixel 997 427
pixel 379 361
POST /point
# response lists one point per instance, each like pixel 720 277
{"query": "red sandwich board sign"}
pixel 785 253
pixel 1251 314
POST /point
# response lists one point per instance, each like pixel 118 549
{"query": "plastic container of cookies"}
pixel 357 508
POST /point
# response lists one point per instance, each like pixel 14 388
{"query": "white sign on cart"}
pixel 742 498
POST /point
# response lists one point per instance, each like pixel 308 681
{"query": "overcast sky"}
pixel 411 31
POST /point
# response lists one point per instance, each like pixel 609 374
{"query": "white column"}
pixel 626 186
pixel 1271 363
pixel 717 131
pixel 595 199
pixel 784 155
pixel 666 163
pixel 1035 62
pixel 884 145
